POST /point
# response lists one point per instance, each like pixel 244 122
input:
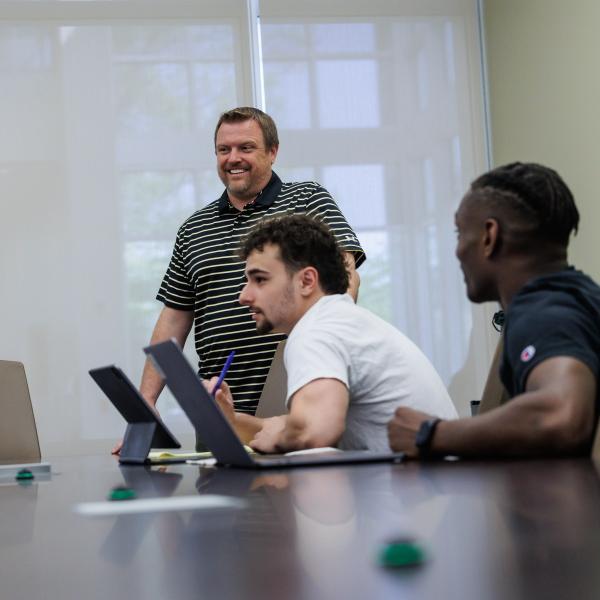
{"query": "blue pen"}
pixel 223 372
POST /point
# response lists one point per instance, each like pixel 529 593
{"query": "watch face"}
pixel 425 433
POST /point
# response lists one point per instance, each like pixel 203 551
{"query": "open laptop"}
pixel 18 434
pixel 214 429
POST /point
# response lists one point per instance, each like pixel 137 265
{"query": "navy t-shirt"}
pixel 552 315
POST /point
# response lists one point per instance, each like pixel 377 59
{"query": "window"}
pixel 108 118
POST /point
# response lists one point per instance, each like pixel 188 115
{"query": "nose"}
pixel 245 296
pixel 234 155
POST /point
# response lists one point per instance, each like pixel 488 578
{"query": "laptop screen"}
pixel 18 434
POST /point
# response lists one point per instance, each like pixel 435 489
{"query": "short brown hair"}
pixel 244 113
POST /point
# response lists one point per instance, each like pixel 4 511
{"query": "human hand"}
pixel 402 430
pixel 119 445
pixel 267 438
pixel 223 397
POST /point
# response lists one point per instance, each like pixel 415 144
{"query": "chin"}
pixel 480 296
pixel 236 189
pixel 264 328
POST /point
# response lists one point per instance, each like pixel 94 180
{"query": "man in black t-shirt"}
pixel 513 229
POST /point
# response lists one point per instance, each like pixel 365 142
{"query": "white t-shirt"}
pixel 381 367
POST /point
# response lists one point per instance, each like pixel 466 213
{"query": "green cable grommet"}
pixel 24 475
pixel 122 493
pixel 401 553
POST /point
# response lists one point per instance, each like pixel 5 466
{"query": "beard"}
pixel 279 313
pixel 265 327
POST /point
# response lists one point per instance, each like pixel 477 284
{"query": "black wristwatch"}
pixel 425 436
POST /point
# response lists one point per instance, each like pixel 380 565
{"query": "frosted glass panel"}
pixel 359 189
pixel 385 111
pixel 289 83
pixel 107 148
pixel 151 97
pixel 348 93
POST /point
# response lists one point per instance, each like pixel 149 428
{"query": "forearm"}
pixel 301 433
pixel 247 426
pixel 522 427
pixel 152 383
pixel 353 276
pixel 354 284
pixel 171 324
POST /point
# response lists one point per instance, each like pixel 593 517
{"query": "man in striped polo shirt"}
pixel 204 278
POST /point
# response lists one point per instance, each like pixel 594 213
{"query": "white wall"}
pixel 544 86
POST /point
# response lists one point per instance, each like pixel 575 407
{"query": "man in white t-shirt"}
pixel 347 369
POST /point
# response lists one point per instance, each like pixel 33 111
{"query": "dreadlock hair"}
pixel 245 113
pixel 302 242
pixel 537 197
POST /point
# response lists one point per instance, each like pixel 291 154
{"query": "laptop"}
pixel 214 429
pixel 19 441
pixel 145 428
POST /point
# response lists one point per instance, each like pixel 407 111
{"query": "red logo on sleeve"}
pixel 528 353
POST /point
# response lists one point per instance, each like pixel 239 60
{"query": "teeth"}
pixel 236 171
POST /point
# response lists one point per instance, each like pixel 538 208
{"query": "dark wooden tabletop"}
pixel 489 530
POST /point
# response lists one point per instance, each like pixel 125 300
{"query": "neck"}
pixel 239 203
pixel 240 200
pixel 305 305
pixel 520 271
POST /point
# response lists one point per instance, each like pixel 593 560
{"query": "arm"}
pixel 171 324
pixel 323 207
pixel 353 276
pixel 554 416
pixel 317 418
pixel 245 426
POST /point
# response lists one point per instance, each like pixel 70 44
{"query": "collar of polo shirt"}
pixel 265 198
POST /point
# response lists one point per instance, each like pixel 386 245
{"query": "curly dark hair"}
pixel 302 242
pixel 536 196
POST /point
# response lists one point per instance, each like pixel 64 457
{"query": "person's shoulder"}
pixel 301 188
pixel 559 306
pixel 335 304
pixel 202 216
pixel 557 291
pixel 322 316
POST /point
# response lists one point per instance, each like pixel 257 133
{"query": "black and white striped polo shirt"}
pixel 206 276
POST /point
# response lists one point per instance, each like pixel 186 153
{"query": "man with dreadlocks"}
pixel 513 228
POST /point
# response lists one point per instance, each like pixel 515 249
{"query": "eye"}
pixel 247 148
pixel 223 150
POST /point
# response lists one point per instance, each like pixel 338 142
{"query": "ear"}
pixel 491 238
pixel 273 152
pixel 308 278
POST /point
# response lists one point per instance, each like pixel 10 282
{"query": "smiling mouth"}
pixel 237 171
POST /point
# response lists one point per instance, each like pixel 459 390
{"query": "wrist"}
pixel 425 435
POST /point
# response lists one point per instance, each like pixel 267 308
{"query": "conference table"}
pixel 502 529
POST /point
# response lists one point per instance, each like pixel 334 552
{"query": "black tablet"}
pixel 129 402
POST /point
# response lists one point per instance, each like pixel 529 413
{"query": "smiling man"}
pixel 347 368
pixel 203 280
pixel 513 230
